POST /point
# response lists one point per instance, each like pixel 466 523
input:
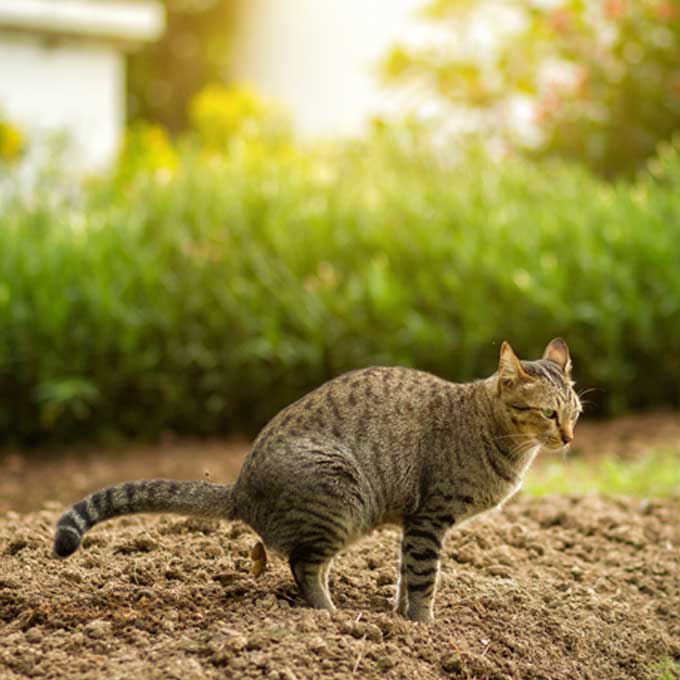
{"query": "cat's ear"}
pixel 558 352
pixel 510 371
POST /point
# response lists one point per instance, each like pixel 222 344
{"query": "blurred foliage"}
pixel 212 280
pixel 221 116
pixel 146 149
pixel 652 475
pixel 12 142
pixel 601 78
pixel 193 52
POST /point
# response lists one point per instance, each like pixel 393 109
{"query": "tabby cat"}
pixel 374 446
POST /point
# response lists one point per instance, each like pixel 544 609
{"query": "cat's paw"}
pixel 420 614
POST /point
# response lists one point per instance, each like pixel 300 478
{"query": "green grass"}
pixel 655 474
pixel 667 669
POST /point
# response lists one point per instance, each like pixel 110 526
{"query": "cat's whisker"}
pixel 523 447
pixel 512 436
pixel 519 443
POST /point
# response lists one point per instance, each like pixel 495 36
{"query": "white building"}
pixel 320 57
pixel 62 68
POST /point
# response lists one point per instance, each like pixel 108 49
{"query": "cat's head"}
pixel 538 398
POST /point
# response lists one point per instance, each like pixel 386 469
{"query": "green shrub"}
pixel 203 298
pixel 600 79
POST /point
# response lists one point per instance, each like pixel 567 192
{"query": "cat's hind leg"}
pixel 310 564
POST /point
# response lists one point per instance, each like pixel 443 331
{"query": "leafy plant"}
pixel 70 397
pixel 204 299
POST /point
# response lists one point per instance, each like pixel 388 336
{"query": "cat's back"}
pixel 359 402
pixel 361 440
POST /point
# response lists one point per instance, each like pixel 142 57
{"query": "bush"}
pixel 597 82
pixel 204 299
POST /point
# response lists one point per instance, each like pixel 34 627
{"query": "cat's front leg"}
pixel 420 549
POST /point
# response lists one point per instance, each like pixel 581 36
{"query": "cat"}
pixel 371 447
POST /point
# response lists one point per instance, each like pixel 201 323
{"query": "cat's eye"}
pixel 550 413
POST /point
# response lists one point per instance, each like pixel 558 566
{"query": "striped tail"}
pixel 153 495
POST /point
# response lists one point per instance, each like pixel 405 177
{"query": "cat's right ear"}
pixel 510 371
pixel 558 352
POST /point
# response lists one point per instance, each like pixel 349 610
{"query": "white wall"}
pixel 71 86
pixel 319 57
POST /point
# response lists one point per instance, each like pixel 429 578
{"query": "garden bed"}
pixel 557 587
pixel 552 587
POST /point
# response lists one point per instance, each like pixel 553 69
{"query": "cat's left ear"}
pixel 510 370
pixel 558 352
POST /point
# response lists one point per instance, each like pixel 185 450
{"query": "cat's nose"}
pixel 567 437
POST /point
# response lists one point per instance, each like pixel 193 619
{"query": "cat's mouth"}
pixel 555 446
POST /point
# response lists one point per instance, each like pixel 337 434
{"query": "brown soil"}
pixel 550 588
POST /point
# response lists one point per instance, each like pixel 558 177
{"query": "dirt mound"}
pixel 551 588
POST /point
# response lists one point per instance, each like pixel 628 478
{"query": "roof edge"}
pixel 100 19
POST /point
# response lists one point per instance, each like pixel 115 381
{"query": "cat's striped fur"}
pixel 375 446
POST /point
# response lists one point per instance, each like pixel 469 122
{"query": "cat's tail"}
pixel 153 495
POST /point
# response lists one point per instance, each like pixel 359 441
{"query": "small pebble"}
pixel 98 629
pixel 34 635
